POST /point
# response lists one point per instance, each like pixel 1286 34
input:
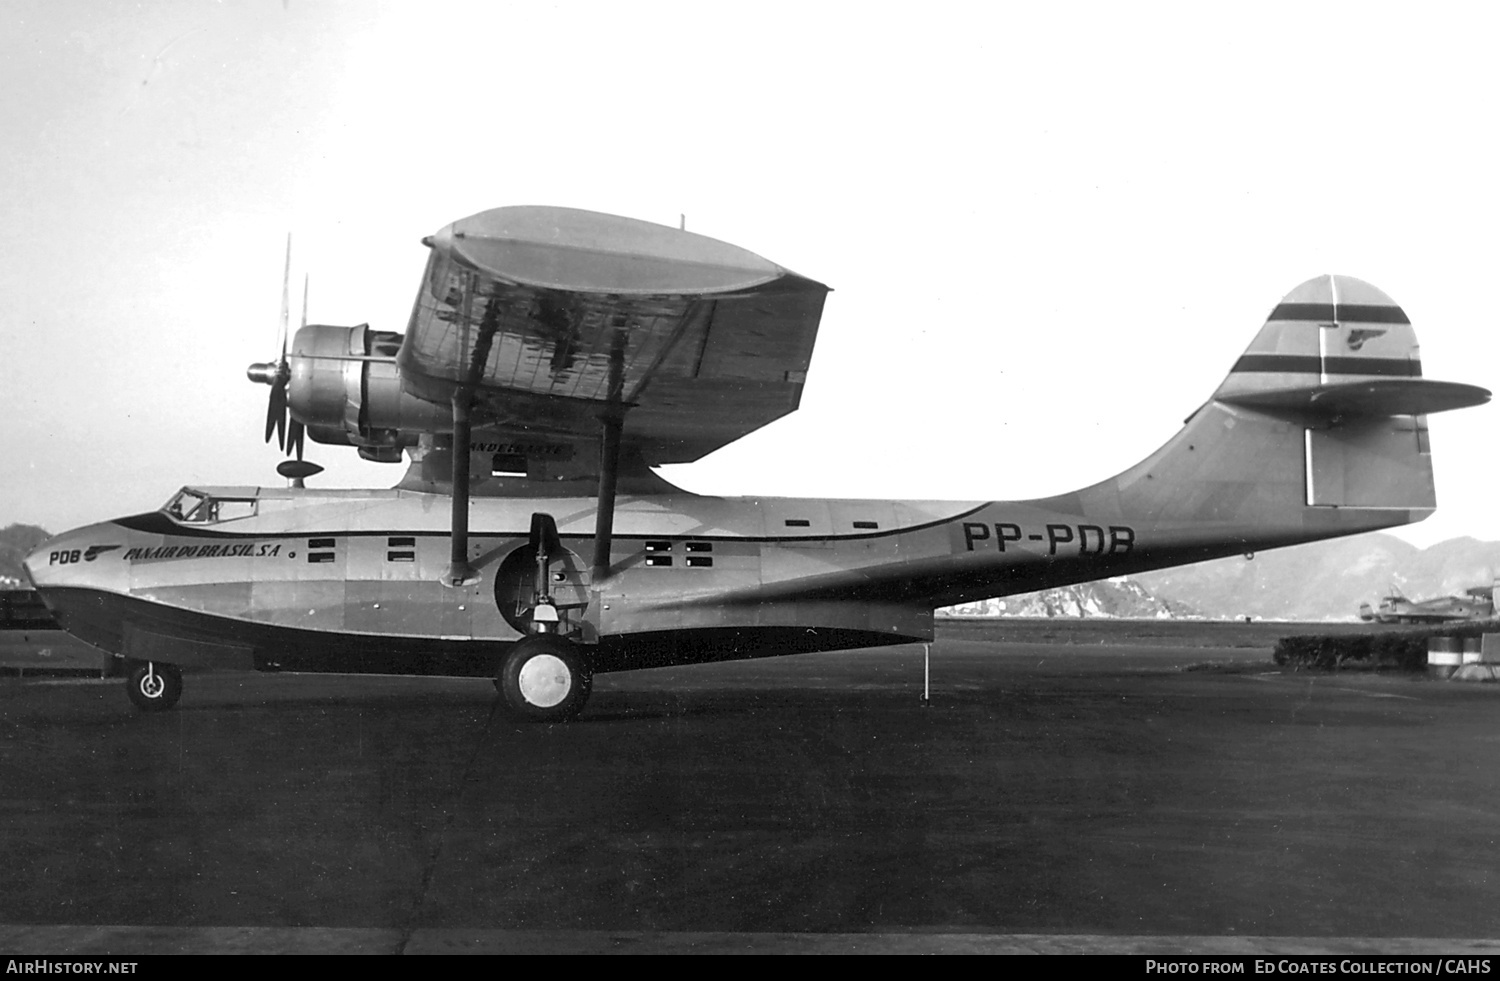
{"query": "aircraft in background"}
pixel 1476 603
pixel 554 357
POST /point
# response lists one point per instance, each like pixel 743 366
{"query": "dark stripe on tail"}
pixel 1312 364
pixel 1399 367
pixel 1288 363
pixel 1344 312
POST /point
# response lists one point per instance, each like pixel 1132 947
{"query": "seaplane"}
pixel 555 357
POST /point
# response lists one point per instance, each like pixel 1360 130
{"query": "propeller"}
pixel 288 430
pixel 296 432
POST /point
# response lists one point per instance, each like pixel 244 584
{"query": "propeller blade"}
pixel 276 414
pixel 296 432
pixel 286 302
pixel 271 414
pixel 277 374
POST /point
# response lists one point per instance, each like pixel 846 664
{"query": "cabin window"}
pixel 401 556
pixel 699 561
pixel 699 546
pixel 402 541
pixel 320 543
pixel 658 560
pixel 658 546
pixel 320 556
pixel 867 524
pixel 508 465
pixel 230 509
pixel 798 523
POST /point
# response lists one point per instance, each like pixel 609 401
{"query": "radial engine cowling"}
pixel 345 388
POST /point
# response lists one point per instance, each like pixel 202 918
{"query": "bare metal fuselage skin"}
pixel 348 580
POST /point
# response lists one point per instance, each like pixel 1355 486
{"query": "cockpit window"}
pixel 191 506
pixel 184 503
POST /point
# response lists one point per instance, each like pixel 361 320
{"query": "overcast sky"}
pixel 1050 228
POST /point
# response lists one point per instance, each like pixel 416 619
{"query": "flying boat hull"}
pixel 350 581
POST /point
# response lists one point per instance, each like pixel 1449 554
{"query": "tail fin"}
pixel 1338 347
pixel 1319 430
pixel 1340 358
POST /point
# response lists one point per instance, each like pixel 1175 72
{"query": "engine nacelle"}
pixel 345 391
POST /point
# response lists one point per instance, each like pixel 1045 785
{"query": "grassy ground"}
pixel 1086 786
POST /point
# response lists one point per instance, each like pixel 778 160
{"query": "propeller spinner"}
pixel 290 433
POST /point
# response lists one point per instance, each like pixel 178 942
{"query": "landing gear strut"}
pixel 545 678
pixel 154 686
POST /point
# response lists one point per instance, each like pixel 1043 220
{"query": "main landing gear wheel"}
pixel 545 679
pixel 154 686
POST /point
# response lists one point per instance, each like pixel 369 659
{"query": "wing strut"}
pixel 612 421
pixel 460 571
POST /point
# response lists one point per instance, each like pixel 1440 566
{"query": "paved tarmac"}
pixel 1049 797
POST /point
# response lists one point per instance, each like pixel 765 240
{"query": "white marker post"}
pixel 926 675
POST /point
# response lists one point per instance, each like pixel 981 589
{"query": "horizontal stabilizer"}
pixel 1395 397
pixel 1338 347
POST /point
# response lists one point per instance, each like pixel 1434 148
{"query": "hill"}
pixel 1108 598
pixel 1326 580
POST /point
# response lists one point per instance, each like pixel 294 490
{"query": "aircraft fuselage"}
pixel 350 580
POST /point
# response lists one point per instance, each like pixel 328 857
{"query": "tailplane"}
pixel 1340 359
pixel 1338 347
pixel 1320 429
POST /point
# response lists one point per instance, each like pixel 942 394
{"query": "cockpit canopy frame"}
pixel 192 506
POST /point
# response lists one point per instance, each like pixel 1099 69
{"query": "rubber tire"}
pixel 168 688
pixel 508 679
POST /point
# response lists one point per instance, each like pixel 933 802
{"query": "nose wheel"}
pixel 544 678
pixel 154 686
